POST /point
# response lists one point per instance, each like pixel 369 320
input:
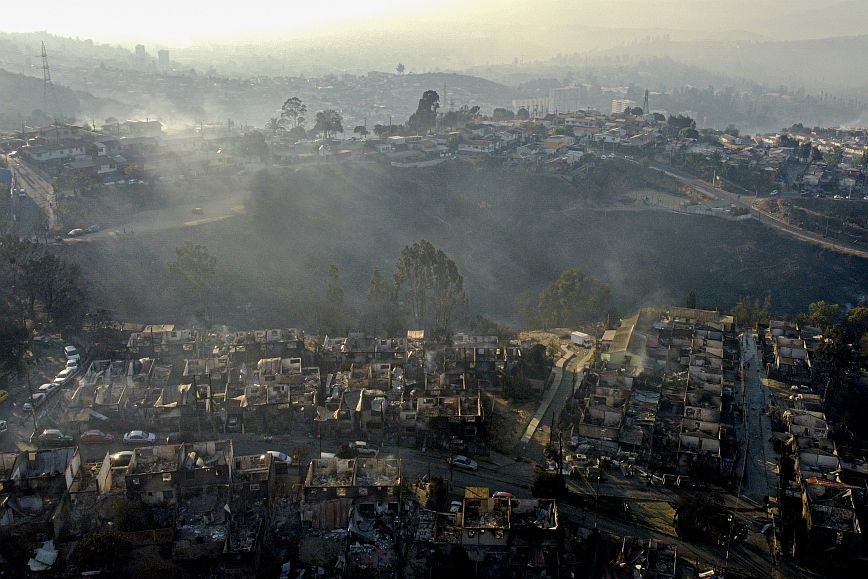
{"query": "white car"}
pixel 71 353
pixel 36 402
pixel 140 437
pixel 48 388
pixel 72 365
pixel 75 232
pixel 60 380
pixel 462 462
pixel 279 456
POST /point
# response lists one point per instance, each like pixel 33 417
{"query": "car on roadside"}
pixel 72 365
pixel 75 232
pixel 197 211
pixel 61 380
pixel 35 402
pixel 361 448
pixel 71 353
pixel 279 456
pixel 3 396
pixel 48 388
pixel 92 229
pixel 462 462
pixel 96 436
pixel 51 437
pixel 139 437
pixel 180 437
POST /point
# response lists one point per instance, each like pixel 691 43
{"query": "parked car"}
pixel 35 402
pixel 72 365
pixel 92 229
pixel 66 373
pixel 180 437
pixel 197 211
pixel 71 353
pixel 51 437
pixel 361 448
pixel 502 495
pixel 121 459
pixel 3 396
pixel 279 456
pixel 140 437
pixel 61 380
pixel 96 436
pixel 75 232
pixel 462 462
pixel 48 388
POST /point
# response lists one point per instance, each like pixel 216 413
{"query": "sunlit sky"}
pixel 182 21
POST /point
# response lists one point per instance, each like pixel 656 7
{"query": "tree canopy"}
pixel 329 123
pixel 426 112
pixel 431 283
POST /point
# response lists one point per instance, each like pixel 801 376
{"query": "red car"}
pixel 96 436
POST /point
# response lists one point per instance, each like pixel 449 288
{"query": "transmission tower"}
pixel 645 103
pixel 47 85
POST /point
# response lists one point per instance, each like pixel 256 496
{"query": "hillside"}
pixel 508 234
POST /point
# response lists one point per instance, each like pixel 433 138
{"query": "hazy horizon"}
pixel 549 26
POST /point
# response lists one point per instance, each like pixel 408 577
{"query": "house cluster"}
pixel 122 153
pixel 822 488
pixel 660 397
pixel 358 387
pixel 505 535
pixel 197 499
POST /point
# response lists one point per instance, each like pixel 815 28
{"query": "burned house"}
pixel 34 492
pixel 152 475
pixel 333 486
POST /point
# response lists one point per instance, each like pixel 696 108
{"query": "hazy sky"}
pixel 178 22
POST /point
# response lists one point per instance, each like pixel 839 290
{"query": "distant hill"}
pixel 22 96
pixel 834 63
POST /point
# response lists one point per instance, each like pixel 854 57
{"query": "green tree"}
pixel 381 303
pixel 328 123
pixel 360 130
pixel 857 322
pixel 573 299
pixel 400 69
pixel 501 114
pixel 426 112
pixel 748 313
pixel 522 114
pixel 690 302
pixel 274 124
pixel 731 130
pixel 823 314
pixel 432 284
pixel 293 111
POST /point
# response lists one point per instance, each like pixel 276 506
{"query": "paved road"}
pixel 762 460
pixel 763 217
pixel 38 188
